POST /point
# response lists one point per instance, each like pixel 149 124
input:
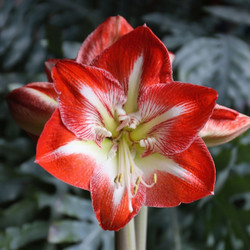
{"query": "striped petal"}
pixel 224 125
pixel 88 98
pixel 66 157
pixel 102 37
pixel 111 201
pixel 85 165
pixel 137 59
pixel 49 64
pixel 32 105
pixel 171 116
pixel 183 177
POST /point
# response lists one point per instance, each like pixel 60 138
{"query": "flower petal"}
pixel 32 105
pixel 172 115
pixel 67 158
pixel 137 59
pixel 224 125
pixel 102 37
pixel 87 100
pixel 183 177
pixel 111 202
pixel 49 64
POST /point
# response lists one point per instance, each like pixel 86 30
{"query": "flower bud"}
pixel 223 126
pixel 32 105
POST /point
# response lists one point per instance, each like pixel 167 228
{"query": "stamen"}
pixel 120 177
pixel 131 169
pixel 155 178
pixel 135 189
pixel 138 180
pixel 116 179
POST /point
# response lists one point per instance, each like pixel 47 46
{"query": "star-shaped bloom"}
pixel 33 104
pixel 125 131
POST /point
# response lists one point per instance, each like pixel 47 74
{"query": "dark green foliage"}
pixel 211 42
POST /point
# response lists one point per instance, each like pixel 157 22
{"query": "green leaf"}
pixel 68 231
pixel 221 63
pixel 75 207
pixel 18 213
pixel 229 13
pixel 15 238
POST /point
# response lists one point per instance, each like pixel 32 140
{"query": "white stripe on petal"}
pixel 154 162
pixel 89 148
pixel 133 86
pixel 93 99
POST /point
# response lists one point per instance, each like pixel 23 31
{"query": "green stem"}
pixel 141 228
pixel 125 237
pixel 176 229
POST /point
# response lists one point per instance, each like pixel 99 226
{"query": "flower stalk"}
pixel 125 237
pixel 141 222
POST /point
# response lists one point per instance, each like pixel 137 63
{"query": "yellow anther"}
pixel 116 179
pixel 155 178
pixel 138 180
pixel 131 169
pixel 135 189
pixel 120 177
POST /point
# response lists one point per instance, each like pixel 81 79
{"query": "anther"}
pixel 138 180
pixel 135 189
pixel 120 177
pixel 131 169
pixel 116 179
pixel 155 178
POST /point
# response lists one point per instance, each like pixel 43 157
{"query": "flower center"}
pixel 129 175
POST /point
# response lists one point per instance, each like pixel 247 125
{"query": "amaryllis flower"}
pixel 224 125
pixel 125 131
pixel 32 105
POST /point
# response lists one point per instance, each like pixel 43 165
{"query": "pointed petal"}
pixel 172 115
pixel 32 105
pixel 49 64
pixel 111 202
pixel 102 37
pixel 183 177
pixel 137 59
pixel 67 158
pixel 224 125
pixel 87 100
pixel 172 57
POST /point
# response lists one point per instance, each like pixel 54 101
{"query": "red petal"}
pixel 88 97
pixel 64 156
pixel 32 105
pixel 110 214
pixel 140 53
pixel 102 37
pixel 224 125
pixel 195 180
pixel 49 64
pixel 173 114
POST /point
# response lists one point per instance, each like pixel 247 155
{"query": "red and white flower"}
pixel 33 104
pixel 125 131
pixel 223 126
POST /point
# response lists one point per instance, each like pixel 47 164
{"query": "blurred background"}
pixel 210 39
